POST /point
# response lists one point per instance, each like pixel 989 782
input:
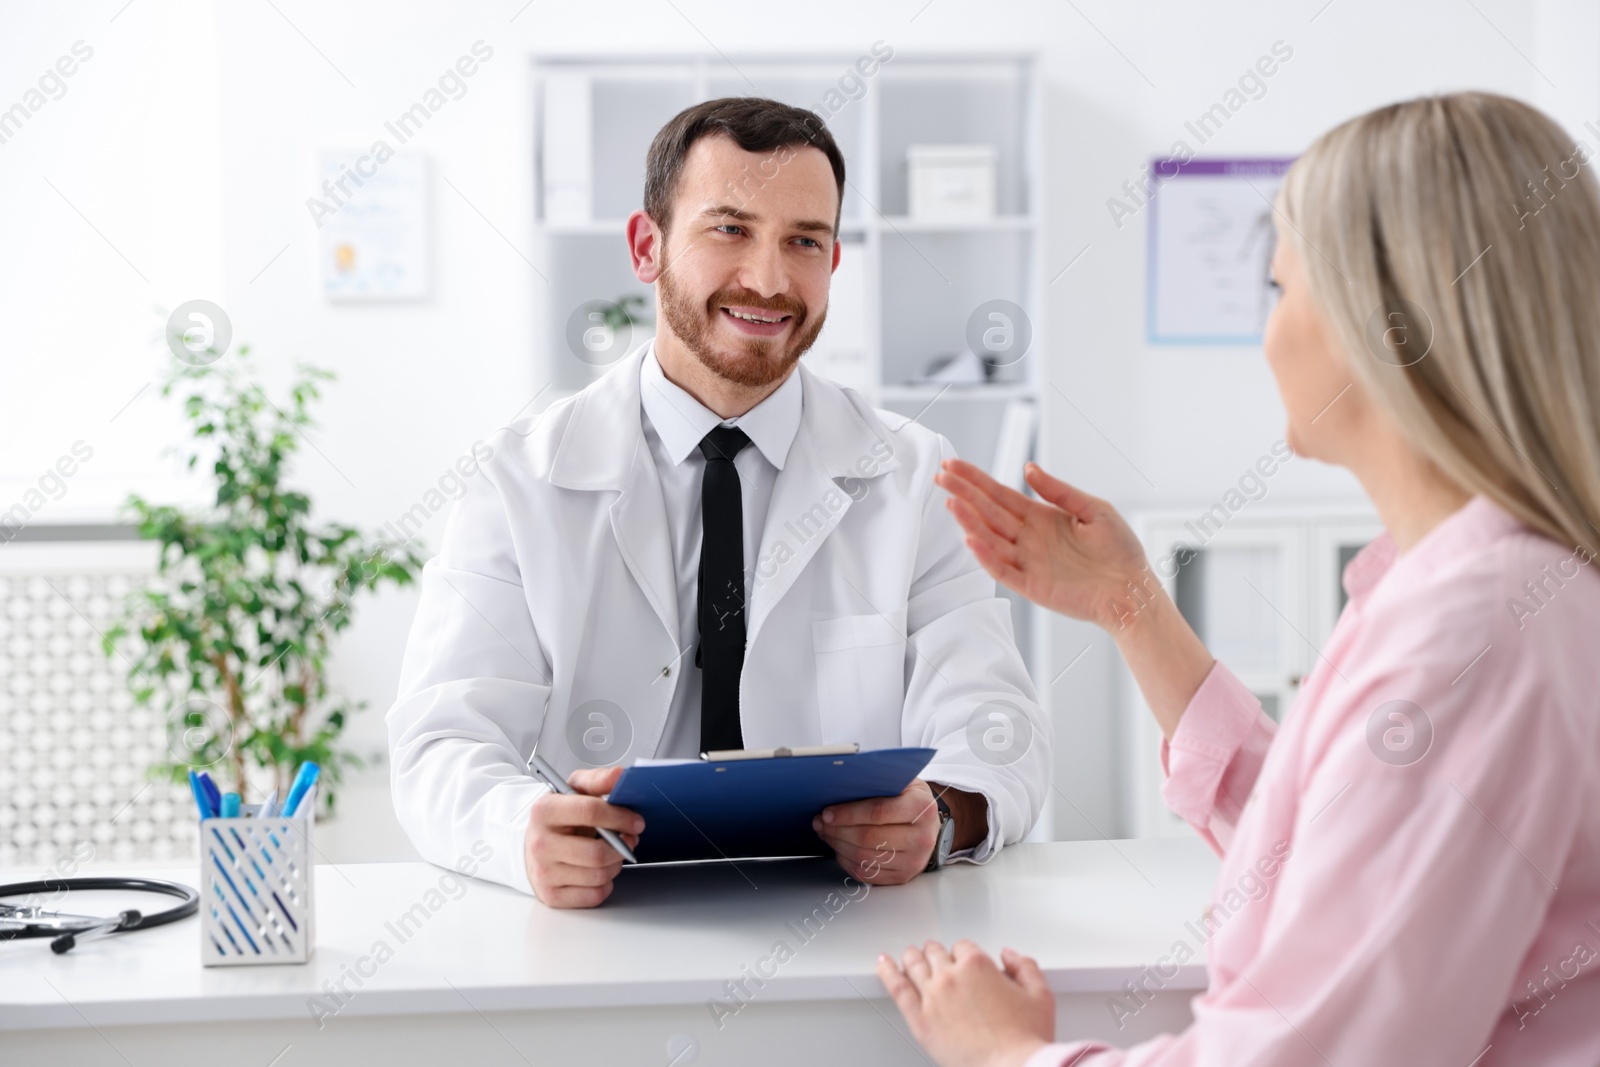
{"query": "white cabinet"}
pixel 1263 591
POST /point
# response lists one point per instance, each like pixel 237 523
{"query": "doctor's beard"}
pixel 757 361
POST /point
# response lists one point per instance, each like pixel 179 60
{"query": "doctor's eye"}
pixel 729 227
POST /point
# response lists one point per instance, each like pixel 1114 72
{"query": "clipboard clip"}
pixel 781 752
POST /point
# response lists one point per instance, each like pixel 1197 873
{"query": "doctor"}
pixel 712 548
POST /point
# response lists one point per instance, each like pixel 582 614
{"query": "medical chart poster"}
pixel 372 227
pixel 1211 239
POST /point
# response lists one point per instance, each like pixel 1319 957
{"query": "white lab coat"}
pixel 868 620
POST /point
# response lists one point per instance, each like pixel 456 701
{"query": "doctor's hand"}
pixel 966 1011
pixel 884 840
pixel 569 865
pixel 1069 552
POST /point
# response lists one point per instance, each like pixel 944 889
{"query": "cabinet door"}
pixel 1242 588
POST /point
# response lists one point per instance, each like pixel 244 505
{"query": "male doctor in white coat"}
pixel 711 548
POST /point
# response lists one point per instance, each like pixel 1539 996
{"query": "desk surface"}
pixel 1094 913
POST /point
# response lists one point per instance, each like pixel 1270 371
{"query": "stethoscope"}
pixel 31 920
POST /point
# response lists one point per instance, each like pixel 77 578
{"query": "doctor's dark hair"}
pixel 753 123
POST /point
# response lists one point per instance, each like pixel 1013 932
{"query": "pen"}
pixel 213 794
pixel 303 779
pixel 201 800
pixel 230 806
pixel 548 774
pixel 267 806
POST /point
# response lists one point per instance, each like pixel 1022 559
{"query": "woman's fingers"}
pixel 1001 558
pixel 975 526
pixel 938 958
pixel 1002 495
pixel 1003 522
pixel 916 966
pixel 1007 575
pixel 1073 501
pixel 1025 971
pixel 900 988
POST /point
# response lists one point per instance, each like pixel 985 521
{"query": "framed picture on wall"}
pixel 372 224
pixel 1211 239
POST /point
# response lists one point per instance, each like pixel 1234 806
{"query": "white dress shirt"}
pixel 674 425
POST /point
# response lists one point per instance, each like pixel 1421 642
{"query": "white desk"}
pixel 493 977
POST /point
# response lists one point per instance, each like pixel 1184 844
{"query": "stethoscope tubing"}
pixel 67 934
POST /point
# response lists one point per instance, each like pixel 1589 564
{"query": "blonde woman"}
pixel 1433 795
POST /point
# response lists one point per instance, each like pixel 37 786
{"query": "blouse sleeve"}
pixel 1208 768
pixel 1215 756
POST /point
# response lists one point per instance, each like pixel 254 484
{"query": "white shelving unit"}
pixel 1263 591
pixel 907 286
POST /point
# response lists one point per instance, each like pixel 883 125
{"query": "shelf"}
pixel 853 228
pixel 958 391
pixel 847 227
pixel 998 224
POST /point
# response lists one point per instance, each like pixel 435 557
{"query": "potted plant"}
pixel 231 639
pixel 620 315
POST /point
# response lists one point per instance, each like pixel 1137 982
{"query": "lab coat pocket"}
pixel 861 678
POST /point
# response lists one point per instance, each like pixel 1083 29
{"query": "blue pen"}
pixel 213 794
pixel 303 779
pixel 201 800
pixel 230 806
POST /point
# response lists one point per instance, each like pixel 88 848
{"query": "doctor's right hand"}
pixel 568 865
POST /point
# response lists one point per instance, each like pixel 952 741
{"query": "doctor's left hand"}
pixel 885 840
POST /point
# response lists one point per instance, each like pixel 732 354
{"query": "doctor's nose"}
pixel 764 272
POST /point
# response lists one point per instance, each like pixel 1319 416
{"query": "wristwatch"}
pixel 947 835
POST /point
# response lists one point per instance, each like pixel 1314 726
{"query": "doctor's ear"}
pixel 647 246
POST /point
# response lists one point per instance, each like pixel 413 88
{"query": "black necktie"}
pixel 721 591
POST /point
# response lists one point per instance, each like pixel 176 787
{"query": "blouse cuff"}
pixel 1219 718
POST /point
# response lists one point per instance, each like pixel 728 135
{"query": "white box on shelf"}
pixel 952 182
pixel 568 150
pixel 257 903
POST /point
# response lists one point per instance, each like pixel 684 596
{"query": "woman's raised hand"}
pixel 1069 551
pixel 1072 553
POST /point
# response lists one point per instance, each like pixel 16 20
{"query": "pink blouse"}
pixel 1411 867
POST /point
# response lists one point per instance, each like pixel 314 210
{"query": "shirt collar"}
pixel 681 421
pixel 1476 522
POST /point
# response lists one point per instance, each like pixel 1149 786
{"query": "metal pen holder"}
pixel 257 899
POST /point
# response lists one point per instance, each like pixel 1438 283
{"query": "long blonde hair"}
pixel 1453 243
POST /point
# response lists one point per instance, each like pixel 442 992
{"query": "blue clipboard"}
pixel 737 809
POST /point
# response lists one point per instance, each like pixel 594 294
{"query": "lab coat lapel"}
pixel 807 503
pixel 799 519
pixel 603 448
pixel 639 523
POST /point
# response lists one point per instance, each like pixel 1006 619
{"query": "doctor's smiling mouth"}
pixel 738 334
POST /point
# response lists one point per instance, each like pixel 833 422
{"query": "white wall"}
pixel 188 142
